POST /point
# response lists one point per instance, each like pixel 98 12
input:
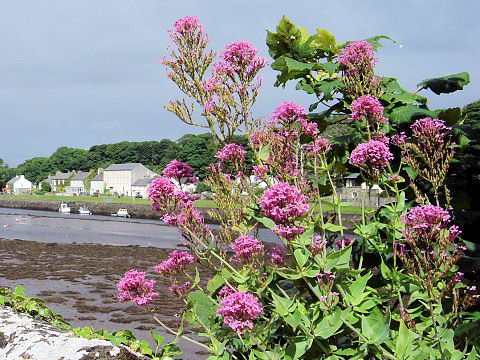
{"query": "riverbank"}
pixel 136 210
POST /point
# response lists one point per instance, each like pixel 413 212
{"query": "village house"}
pixel 96 184
pixel 118 178
pixel 354 188
pixel 19 185
pixel 77 183
pixel 60 181
pixel 139 187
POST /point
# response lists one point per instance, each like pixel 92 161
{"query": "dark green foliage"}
pixel 198 151
pixel 45 187
pixel 4 174
pixel 446 84
pixel 36 169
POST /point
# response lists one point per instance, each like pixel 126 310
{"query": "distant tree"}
pixel 45 187
pixel 4 173
pixel 67 159
pixel 36 169
pixel 198 151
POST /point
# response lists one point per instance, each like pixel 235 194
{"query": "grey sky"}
pixel 84 72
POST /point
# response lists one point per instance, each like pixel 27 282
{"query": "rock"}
pixel 24 337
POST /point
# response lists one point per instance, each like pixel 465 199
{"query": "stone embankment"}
pixel 24 337
pixel 138 211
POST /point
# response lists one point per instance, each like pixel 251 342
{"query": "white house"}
pixel 139 187
pixel 77 183
pixel 19 185
pixel 96 184
pixel 118 178
pixel 60 180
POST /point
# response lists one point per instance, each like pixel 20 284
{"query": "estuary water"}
pixel 74 263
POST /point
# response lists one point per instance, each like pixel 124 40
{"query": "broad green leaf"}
pixel 282 305
pixel 297 348
pixel 452 116
pixel 265 221
pixel 326 41
pixel 408 114
pixel 300 257
pixel 375 41
pixel 264 152
pixel 375 326
pixel 157 337
pixel 356 290
pixel 202 305
pixel 404 343
pixel 329 325
pixel 333 227
pixel 215 283
pixel 339 260
pixel 446 84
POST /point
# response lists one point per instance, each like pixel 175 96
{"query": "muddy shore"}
pixel 79 281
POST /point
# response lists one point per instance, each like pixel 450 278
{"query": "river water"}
pixel 74 262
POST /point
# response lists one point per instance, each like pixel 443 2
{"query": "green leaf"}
pixel 326 41
pixel 375 41
pixel 202 305
pixel 375 326
pixel 297 348
pixel 446 84
pixel 339 260
pixel 282 305
pixel 264 152
pixel 265 221
pixel 329 325
pixel 215 283
pixel 451 116
pixel 19 290
pixel 333 227
pixel 408 114
pixel 300 257
pixel 404 343
pixel 356 290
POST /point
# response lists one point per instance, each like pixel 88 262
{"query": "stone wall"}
pixel 24 337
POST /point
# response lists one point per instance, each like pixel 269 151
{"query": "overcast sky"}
pixel 83 72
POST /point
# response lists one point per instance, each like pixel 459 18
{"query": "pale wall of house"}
pixel 22 186
pixel 95 186
pixel 142 190
pixel 118 181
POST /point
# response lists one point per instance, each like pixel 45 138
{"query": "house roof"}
pixel 13 180
pixel 143 182
pixel 98 177
pixel 352 176
pixel 122 167
pixel 61 176
pixel 81 175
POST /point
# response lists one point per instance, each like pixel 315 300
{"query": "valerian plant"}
pixel 313 295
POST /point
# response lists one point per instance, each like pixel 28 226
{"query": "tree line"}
pixel 198 151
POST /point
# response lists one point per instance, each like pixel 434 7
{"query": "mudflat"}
pixel 79 281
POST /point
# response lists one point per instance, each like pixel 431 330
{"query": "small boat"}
pixel 64 208
pixel 122 213
pixel 84 210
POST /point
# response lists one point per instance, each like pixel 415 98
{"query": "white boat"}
pixel 122 213
pixel 84 210
pixel 64 208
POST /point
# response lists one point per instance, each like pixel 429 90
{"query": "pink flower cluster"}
pixel 226 290
pixel 232 153
pixel 372 157
pixel 276 255
pixel 180 171
pixel 284 204
pixel 238 309
pixel 162 192
pixel 319 146
pixel 432 130
pixel 357 55
pixel 133 287
pixel 368 108
pixel 287 113
pixel 425 223
pixel 317 245
pixel 240 56
pixel 160 188
pixel 177 260
pixel 260 171
pixel 346 242
pixel 246 248
pixel 187 25
pixel 180 289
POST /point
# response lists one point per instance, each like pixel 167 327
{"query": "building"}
pixel 354 189
pixel 19 185
pixel 139 187
pixel 77 183
pixel 60 181
pixel 118 178
pixel 96 184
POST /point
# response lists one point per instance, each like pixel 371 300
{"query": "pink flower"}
pixel 160 188
pixel 180 289
pixel 239 56
pixel 187 25
pixel 317 244
pixel 346 242
pixel 246 248
pixel 372 157
pixel 276 255
pixel 284 204
pixel 425 223
pixel 260 171
pixel 431 130
pixel 287 113
pixel 178 170
pixel 238 309
pixel 231 152
pixel 320 145
pixel 177 260
pixel 133 287
pixel 226 290
pixel 357 55
pixel 368 108
pixel 309 128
